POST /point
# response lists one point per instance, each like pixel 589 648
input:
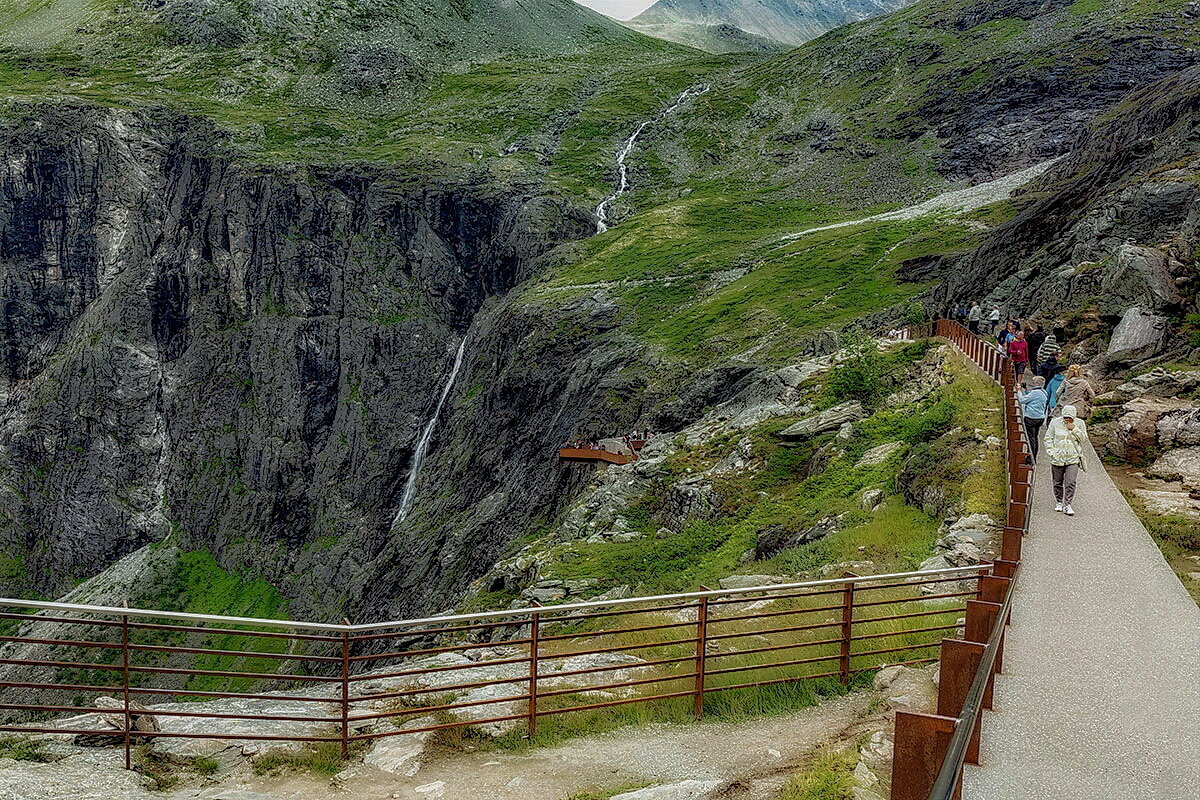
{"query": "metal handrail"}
pixel 479 615
pixel 946 783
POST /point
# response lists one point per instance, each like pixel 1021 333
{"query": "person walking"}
pixel 1034 336
pixel 1018 351
pixel 973 317
pixel 1048 352
pixel 1035 405
pixel 1078 391
pixel 1054 385
pixel 993 319
pixel 1066 440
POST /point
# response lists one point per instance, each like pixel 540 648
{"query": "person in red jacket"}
pixel 1018 351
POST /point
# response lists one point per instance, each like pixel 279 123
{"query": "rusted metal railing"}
pixel 932 749
pixel 345 683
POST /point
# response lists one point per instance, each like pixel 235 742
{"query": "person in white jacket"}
pixel 1066 439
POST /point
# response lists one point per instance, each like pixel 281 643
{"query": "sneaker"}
pixel 1070 511
pixel 1058 506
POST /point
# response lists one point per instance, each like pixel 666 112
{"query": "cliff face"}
pixel 1112 226
pixel 242 358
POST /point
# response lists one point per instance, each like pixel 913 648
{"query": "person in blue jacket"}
pixel 1035 404
pixel 1055 385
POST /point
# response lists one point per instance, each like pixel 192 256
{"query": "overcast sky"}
pixel 621 9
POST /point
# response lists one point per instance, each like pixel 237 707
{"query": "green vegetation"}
pixel 828 778
pixel 1179 540
pixel 19 748
pixel 323 759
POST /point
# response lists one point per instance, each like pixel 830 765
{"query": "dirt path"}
pixel 759 755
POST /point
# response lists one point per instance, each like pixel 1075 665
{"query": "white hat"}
pixel 1069 412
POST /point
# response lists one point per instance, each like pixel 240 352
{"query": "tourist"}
pixel 1006 334
pixel 974 316
pixel 1034 337
pixel 1048 353
pixel 1066 440
pixel 994 320
pixel 1078 391
pixel 1054 385
pixel 1035 406
pixel 1018 351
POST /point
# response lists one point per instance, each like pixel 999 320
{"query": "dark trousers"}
pixel 1033 427
pixel 973 326
pixel 1019 366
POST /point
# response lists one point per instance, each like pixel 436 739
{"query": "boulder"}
pixel 877 455
pixel 1139 277
pixel 871 499
pixel 691 498
pixel 1181 465
pixel 400 755
pixel 748 581
pixel 828 420
pixel 1179 427
pixel 1158 382
pixel 1135 433
pixel 1170 503
pixel 1138 336
pixel 774 539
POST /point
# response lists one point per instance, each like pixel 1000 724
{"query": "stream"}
pixel 418 460
pixel 602 218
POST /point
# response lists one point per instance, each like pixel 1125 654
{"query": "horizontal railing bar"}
pixel 613 667
pixel 937 612
pixel 915 599
pixel 914 583
pixel 897 664
pixel 362 737
pixel 476 616
pixel 615 631
pixel 422 632
pixel 901 633
pixel 621 612
pixel 62 642
pixel 610 703
pixel 789 663
pixel 206 651
pixel 617 649
pixel 100 689
pixel 180 615
pixel 171 734
pixel 766 632
pixel 789 612
pixel 448 668
pixel 430 709
pixel 621 685
pixel 429 651
pixel 160 713
pixel 754 684
pixel 299 637
pixel 766 649
pixel 772 598
pixel 897 649
pixel 362 698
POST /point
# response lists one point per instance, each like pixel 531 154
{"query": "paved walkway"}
pixel 1100 697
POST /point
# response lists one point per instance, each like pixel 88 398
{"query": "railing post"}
pixel 125 684
pixel 701 652
pixel 920 747
pixel 535 627
pixel 346 689
pixel 847 629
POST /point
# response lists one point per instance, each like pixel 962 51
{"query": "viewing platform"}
pixel 611 451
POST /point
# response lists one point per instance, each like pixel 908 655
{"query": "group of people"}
pixel 1053 397
pixel 634 441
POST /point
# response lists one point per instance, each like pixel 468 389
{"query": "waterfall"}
pixel 627 148
pixel 418 459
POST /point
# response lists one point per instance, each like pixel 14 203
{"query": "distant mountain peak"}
pixel 791 22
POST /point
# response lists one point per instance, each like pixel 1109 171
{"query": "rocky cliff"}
pixel 240 358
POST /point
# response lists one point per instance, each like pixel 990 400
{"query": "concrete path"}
pixel 1100 697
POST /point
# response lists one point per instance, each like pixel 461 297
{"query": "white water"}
pixel 627 148
pixel 414 471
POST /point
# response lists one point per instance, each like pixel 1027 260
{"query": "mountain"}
pixel 791 22
pixel 243 245
pixel 718 38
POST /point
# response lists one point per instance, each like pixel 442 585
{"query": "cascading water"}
pixel 409 496
pixel 627 148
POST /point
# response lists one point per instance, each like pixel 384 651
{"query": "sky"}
pixel 621 9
